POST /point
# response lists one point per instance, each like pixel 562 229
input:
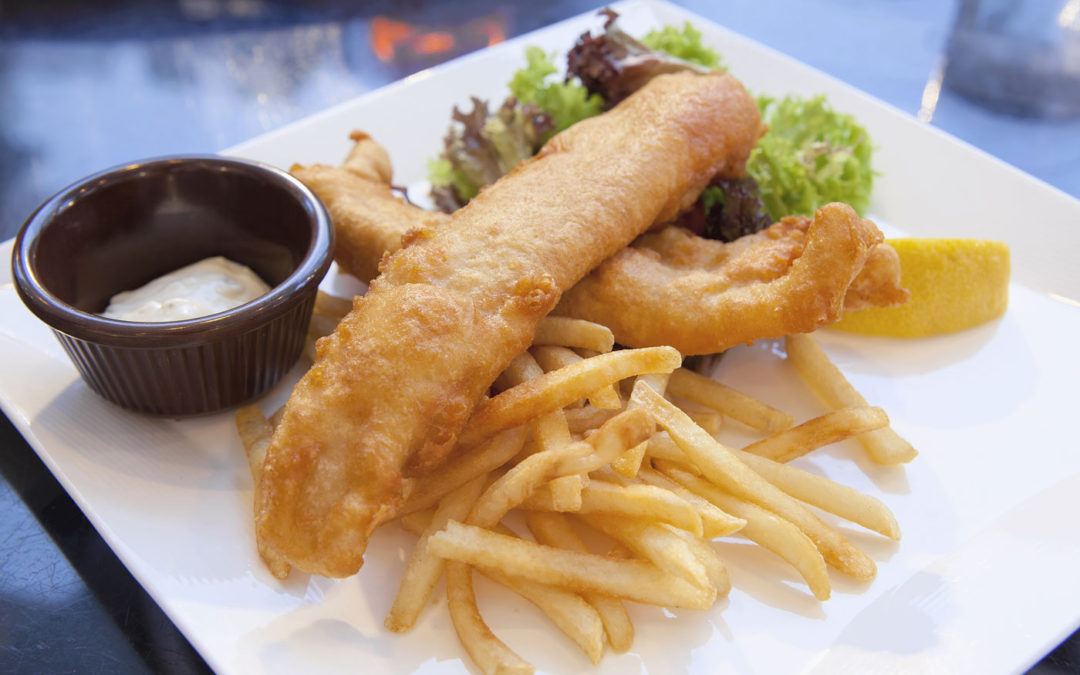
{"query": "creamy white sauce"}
pixel 207 287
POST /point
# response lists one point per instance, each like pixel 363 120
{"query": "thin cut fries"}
pixel 332 305
pixel 883 445
pixel 589 417
pixel 488 652
pixel 559 388
pixel 322 325
pixel 429 489
pixel 575 617
pixel 832 427
pixel 644 472
pixel 768 530
pixel 614 437
pixel 567 332
pixel 722 467
pixel 735 404
pixel 255 431
pixel 827 495
pixel 516 485
pixel 657 544
pixel 629 463
pixel 565 493
pixel 424 569
pixel 643 502
pixel 629 579
pixel 553 357
pixel 552 529
pixel 715 522
pixel 523 368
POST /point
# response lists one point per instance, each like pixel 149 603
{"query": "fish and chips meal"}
pixel 511 387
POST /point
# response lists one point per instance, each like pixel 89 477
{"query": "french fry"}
pixel 634 580
pixel 553 529
pixel 522 369
pixel 720 465
pixel 551 431
pixel 658 381
pixel 417 521
pixel 488 652
pixel 587 418
pixel 643 502
pixel 766 529
pixel 884 446
pixel 424 569
pixel 730 402
pixel 275 418
pixel 552 357
pixel 628 463
pixel 518 483
pixel 323 325
pixel 612 439
pixel 832 427
pixel 827 495
pixel 255 432
pixel 310 351
pixel 566 332
pixel 573 615
pixel 662 447
pixel 556 389
pixel 714 566
pixel 430 488
pixel 332 305
pixel 715 522
pixel 706 418
pixel 565 492
pixel 655 543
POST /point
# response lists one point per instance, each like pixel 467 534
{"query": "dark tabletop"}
pixel 85 85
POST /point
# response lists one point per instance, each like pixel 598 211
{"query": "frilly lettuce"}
pixel 683 44
pixel 811 155
pixel 566 102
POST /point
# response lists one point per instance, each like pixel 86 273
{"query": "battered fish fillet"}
pixel 704 296
pixel 369 219
pixel 393 386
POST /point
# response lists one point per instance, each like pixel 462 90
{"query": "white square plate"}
pixel 984 579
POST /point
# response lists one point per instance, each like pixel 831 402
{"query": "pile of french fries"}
pixel 611 460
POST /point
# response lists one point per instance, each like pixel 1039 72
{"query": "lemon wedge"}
pixel 955 284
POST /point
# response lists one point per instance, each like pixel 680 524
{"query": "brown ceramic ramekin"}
pixel 121 228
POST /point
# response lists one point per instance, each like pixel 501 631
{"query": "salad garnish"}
pixel 811 154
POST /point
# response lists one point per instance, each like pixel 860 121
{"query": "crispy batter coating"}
pixel 704 296
pixel 878 283
pixel 369 219
pixel 393 386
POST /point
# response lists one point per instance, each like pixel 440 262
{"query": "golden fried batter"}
pixel 703 296
pixel 369 219
pixel 393 386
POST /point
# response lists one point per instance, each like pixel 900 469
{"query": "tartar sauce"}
pixel 207 287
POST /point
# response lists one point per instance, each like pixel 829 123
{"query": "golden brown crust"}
pixel 369 219
pixel 703 296
pixel 394 385
pixel 878 284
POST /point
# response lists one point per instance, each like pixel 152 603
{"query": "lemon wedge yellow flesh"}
pixel 955 284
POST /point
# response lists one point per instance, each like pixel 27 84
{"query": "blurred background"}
pixel 85 85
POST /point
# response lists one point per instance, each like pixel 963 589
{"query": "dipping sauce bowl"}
pixel 123 227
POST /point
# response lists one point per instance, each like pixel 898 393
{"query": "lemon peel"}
pixel 955 284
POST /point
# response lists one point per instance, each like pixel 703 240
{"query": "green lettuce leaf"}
pixel 811 155
pixel 684 44
pixel 565 102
